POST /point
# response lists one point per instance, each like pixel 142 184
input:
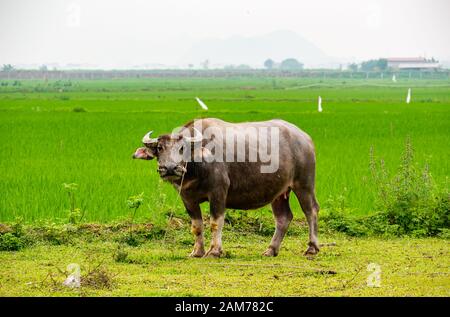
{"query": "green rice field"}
pixel 84 132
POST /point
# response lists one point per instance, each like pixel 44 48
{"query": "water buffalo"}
pixel 227 164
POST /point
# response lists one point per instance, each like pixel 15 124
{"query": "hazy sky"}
pixel 114 33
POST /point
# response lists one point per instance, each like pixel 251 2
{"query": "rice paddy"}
pixel 84 132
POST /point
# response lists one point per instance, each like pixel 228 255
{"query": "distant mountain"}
pixel 255 50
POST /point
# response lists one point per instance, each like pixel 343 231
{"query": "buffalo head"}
pixel 172 151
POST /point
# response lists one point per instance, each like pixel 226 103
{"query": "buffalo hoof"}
pixel 197 254
pixel 311 251
pixel 270 252
pixel 213 254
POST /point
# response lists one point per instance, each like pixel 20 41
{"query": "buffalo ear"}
pixel 206 154
pixel 144 153
pixel 203 154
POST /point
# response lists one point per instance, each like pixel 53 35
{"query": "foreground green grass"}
pixel 408 267
pixel 45 143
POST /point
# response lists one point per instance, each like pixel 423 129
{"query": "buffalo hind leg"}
pixel 283 216
pixel 217 219
pixel 310 208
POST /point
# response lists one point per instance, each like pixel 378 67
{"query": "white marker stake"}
pixel 394 79
pixel 408 98
pixel 320 104
pixel 201 103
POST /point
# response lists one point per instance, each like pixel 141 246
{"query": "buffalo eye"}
pixel 159 148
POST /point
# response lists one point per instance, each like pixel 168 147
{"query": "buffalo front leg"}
pixel 195 213
pixel 283 216
pixel 199 244
pixel 217 220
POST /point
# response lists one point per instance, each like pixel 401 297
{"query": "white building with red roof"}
pixel 412 63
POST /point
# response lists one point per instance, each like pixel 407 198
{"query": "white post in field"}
pixel 408 97
pixel 201 103
pixel 320 104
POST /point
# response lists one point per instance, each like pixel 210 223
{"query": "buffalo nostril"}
pixel 180 169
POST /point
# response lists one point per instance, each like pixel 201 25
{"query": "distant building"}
pixel 412 63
